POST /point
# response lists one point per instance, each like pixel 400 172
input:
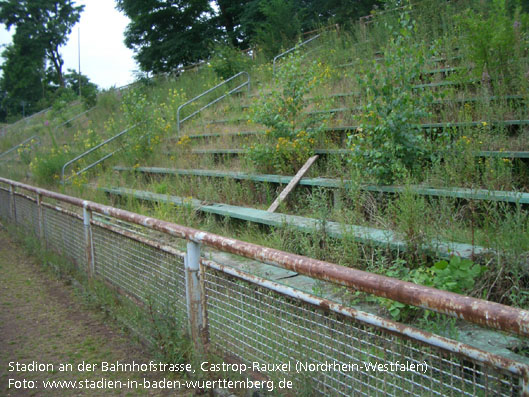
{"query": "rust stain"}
pixel 470 309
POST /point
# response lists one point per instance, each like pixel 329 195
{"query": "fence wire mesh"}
pixel 257 324
pixel 260 325
pixel 64 234
pixel 27 214
pixel 145 272
pixel 4 204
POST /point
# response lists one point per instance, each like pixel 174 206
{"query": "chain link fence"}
pixel 329 349
pixel 260 325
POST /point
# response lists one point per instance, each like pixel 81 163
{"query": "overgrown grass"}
pixel 443 32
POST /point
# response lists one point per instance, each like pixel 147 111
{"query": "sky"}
pixel 104 57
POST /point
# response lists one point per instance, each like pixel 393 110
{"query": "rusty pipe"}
pixel 478 311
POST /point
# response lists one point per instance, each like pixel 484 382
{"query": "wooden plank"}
pixel 302 171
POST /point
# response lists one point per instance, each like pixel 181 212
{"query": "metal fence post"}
pixel 89 249
pixel 13 205
pixel 196 306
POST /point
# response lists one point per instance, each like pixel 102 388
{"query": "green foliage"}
pixel 495 42
pixel 164 34
pixel 167 34
pixel 280 27
pixel 168 331
pixel 291 132
pixel 88 89
pixel 456 275
pixel 410 213
pixel 46 168
pixel 21 81
pixel 228 61
pixel 388 144
pixel 63 97
pixel 42 27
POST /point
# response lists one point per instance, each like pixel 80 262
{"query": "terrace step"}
pixel 415 87
pixel 437 60
pixel 435 102
pixel 459 193
pixel 347 128
pixel 343 152
pixel 504 154
pixel 362 234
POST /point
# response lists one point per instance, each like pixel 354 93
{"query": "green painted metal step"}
pixel 219 151
pixel 344 152
pixel 362 234
pixel 415 87
pixel 437 59
pixel 504 154
pixel 346 128
pixel 454 192
pixel 244 151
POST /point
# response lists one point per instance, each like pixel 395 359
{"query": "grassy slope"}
pixel 415 218
pixel 42 319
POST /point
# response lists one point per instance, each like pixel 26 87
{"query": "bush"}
pixel 47 168
pixel 495 42
pixel 228 61
pixel 456 275
pixel 291 132
pixel 389 143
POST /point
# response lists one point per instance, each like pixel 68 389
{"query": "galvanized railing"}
pixel 26 119
pixel 35 138
pixel 290 50
pixel 76 116
pixel 91 150
pixel 255 320
pixel 245 83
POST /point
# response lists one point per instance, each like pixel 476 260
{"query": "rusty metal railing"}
pixel 246 83
pixel 292 49
pixel 91 150
pixel 30 140
pixel 259 319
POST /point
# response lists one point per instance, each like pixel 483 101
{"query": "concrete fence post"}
pixel 89 248
pixel 196 305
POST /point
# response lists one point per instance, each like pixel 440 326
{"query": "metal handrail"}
pixel 246 83
pixel 36 137
pixel 475 310
pixel 290 50
pixel 76 116
pixel 68 163
pixel 26 119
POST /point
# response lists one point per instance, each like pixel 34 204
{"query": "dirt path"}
pixel 42 320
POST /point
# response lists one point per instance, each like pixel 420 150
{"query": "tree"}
pixel 280 27
pixel 22 79
pixel 342 12
pixel 45 22
pixel 229 21
pixel 166 34
pixel 89 90
pixel 41 27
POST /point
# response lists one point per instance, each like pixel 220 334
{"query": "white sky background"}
pixel 104 57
